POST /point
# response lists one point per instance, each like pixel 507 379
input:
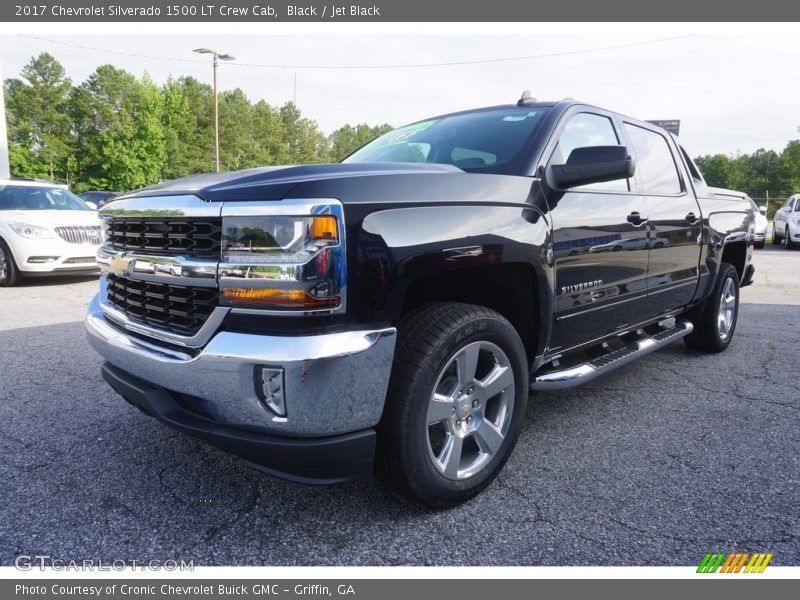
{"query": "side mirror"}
pixel 592 164
pixel 763 209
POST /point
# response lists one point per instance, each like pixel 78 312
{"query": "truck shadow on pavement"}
pixel 658 463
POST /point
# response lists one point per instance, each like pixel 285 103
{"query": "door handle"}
pixel 692 218
pixel 636 219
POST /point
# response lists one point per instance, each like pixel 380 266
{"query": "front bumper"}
pixel 322 460
pixel 64 256
pixel 335 386
pixel 333 383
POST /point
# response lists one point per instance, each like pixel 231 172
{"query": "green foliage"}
pixel 346 140
pixel 755 173
pixel 40 143
pixel 118 132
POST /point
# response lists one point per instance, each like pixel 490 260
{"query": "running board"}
pixel 570 377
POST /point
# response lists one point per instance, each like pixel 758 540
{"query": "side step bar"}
pixel 570 377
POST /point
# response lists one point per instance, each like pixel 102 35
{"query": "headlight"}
pixel 272 260
pixel 797 221
pixel 30 231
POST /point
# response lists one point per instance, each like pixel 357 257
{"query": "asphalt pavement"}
pixel 666 459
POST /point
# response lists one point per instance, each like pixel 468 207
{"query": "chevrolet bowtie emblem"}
pixel 119 264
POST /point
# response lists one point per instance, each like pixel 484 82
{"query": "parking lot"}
pixel 666 459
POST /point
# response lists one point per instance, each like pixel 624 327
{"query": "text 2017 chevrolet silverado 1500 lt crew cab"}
pixel 393 311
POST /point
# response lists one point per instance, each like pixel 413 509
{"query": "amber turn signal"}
pixel 324 228
pixel 267 298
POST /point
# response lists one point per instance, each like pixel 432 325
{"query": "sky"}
pixel 732 93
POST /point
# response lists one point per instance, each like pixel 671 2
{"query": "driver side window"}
pixel 588 129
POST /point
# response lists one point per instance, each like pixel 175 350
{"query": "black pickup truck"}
pixel 393 312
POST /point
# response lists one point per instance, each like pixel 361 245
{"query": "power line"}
pixel 365 67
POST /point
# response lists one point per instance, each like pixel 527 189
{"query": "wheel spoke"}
pixel 467 364
pixel 439 409
pixel 723 326
pixel 450 457
pixel 489 439
pixel 499 379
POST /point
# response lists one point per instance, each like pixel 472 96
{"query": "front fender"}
pixel 398 248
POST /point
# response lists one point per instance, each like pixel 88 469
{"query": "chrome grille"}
pixel 88 235
pixel 171 236
pixel 176 308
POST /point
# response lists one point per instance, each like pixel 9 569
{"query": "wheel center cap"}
pixel 463 409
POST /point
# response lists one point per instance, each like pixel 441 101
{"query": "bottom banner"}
pixel 384 589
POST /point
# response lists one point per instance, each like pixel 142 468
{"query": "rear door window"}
pixel 655 164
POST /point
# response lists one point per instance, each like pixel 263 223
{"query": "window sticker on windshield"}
pixel 400 135
pixel 519 117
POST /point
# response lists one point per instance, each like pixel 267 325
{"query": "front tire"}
pixel 457 394
pixel 9 273
pixel 787 240
pixel 715 319
pixel 775 238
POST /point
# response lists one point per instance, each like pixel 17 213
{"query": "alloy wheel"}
pixel 470 410
pixel 727 309
pixel 3 265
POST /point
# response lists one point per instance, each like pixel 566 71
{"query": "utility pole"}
pixel 5 171
pixel 766 180
pixel 217 57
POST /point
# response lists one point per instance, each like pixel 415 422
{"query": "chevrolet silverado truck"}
pixel 391 314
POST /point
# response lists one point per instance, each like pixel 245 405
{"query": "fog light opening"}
pixel 42 259
pixel 270 389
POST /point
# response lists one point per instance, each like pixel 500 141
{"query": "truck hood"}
pixel 275 183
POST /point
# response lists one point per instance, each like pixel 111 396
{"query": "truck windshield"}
pixel 29 197
pixel 488 141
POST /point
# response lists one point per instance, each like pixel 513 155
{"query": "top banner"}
pixel 243 11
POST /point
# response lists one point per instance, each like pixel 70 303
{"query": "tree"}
pixel 115 131
pixel 306 143
pixel 191 133
pixel 119 130
pixel 345 140
pixel 785 170
pixel 718 170
pixel 40 141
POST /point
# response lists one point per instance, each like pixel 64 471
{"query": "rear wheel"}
pixel 458 391
pixel 715 319
pixel 9 273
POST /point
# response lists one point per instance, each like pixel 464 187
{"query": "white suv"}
pixel 45 229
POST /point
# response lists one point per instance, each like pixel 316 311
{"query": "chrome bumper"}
pixel 334 383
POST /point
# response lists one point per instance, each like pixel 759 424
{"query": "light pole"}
pixel 217 57
pixel 4 168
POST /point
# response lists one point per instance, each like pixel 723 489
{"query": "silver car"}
pixel 786 225
pixel 761 223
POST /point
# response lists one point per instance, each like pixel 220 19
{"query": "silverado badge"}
pixel 579 287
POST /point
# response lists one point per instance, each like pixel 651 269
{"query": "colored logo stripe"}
pixel 758 563
pixel 734 562
pixel 710 563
